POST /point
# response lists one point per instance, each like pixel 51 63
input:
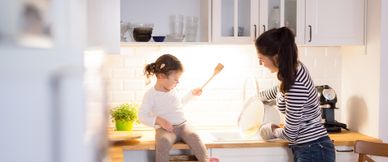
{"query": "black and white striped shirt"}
pixel 300 104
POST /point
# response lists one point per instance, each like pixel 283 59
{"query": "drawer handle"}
pixel 345 150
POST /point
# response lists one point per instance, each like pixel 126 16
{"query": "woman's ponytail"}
pixel 280 43
pixel 287 59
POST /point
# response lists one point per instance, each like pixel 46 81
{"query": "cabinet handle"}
pixel 264 28
pixel 255 27
pixel 347 150
pixel 311 33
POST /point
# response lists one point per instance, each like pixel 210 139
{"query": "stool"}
pixel 183 158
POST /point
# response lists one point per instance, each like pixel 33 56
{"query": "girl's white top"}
pixel 167 105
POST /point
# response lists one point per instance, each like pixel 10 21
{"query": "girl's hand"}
pixel 196 91
pixel 164 124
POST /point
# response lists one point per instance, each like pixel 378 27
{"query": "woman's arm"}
pixel 268 94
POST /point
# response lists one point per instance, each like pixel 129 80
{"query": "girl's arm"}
pixel 145 112
pixel 190 96
pixel 164 123
pixel 147 117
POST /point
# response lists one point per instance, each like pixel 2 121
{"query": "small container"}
pixel 176 25
pixel 142 32
pixel 191 27
pixel 158 38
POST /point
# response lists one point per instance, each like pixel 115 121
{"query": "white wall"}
pixel 383 120
pixel 222 99
pixel 361 78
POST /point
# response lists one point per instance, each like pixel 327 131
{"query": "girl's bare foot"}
pixel 213 159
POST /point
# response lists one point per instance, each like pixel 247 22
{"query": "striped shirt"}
pixel 300 104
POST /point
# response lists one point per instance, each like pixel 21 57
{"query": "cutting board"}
pixel 116 136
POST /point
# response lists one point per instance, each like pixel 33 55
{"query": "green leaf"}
pixel 125 112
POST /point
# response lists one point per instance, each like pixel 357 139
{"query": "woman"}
pixel 296 97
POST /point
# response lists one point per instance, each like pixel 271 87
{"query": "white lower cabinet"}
pixel 272 154
pixel 253 154
pixel 139 156
pixel 149 155
pixel 345 154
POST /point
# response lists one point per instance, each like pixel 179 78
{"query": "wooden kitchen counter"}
pixel 146 141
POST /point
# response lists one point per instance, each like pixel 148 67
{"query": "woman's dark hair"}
pixel 165 64
pixel 279 45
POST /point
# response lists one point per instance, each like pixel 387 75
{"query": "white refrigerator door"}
pixel 45 114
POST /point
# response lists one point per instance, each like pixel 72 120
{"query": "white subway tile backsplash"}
pixel 122 97
pixel 222 98
pixel 128 51
pixel 123 73
pixel 134 84
pixel 114 61
pixel 115 85
pixel 139 72
pixel 134 62
pixel 222 95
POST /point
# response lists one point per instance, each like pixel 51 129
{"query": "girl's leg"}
pixel 163 144
pixel 195 143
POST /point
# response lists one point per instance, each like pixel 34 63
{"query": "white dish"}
pixel 254 114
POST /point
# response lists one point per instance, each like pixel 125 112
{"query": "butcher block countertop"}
pixel 144 140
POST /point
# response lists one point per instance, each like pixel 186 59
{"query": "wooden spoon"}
pixel 217 70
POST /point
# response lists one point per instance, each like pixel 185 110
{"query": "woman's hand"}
pixel 274 126
pixel 164 124
pixel 196 91
pixel 267 131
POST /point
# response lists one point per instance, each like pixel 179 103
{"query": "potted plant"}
pixel 124 116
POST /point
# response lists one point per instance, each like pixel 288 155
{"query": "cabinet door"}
pixel 345 154
pixel 235 21
pixel 278 13
pixel 103 24
pixel 333 22
pixel 272 154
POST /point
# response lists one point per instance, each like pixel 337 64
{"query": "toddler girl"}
pixel 163 109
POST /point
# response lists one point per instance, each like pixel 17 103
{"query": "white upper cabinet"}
pixel 314 22
pixel 103 25
pixel 278 13
pixel 171 18
pixel 254 17
pixel 234 21
pixel 333 22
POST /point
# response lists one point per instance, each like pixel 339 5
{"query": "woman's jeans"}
pixel 320 150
